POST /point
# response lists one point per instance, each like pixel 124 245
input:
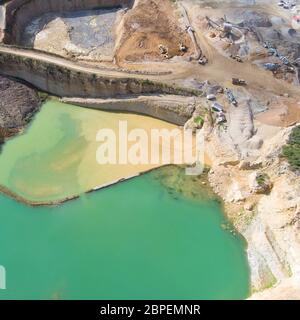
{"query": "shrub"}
pixel 262 179
pixel 291 151
pixel 199 121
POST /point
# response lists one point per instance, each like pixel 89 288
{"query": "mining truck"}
pixel 231 97
pixel 239 82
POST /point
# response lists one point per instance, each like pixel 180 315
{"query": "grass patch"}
pixel 199 121
pixel 262 179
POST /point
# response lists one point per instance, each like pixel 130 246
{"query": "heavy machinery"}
pixel 236 58
pixel 272 66
pixel 239 82
pixel 231 97
pixel 217 107
pixel 203 60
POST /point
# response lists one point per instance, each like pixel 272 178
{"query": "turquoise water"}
pixel 134 240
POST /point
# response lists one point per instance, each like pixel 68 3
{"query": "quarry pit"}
pixel 175 60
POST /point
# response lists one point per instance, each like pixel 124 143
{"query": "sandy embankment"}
pixel 269 221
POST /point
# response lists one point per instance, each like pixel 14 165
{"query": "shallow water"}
pixel 56 157
pixel 131 241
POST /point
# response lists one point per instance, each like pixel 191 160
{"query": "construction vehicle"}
pixel 221 118
pixel 236 58
pixel 272 66
pixel 273 52
pixel 290 69
pixel 284 60
pixel 267 45
pixel 163 49
pixel 287 4
pixel 203 61
pixel 217 107
pixel 239 82
pixel 231 97
pixel 182 47
pixel 189 29
pixel 211 97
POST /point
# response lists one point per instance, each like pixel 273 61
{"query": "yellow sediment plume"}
pixel 56 158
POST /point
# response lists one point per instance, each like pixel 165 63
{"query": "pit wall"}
pixel 20 12
pixel 64 82
pixel 2 22
pixel 177 112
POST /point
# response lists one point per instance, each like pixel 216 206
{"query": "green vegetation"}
pixel 291 151
pixel 199 121
pixel 43 96
pixel 262 179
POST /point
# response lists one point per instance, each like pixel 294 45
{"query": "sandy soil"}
pixel 149 24
pixel 284 113
pixel 261 83
pixel 132 36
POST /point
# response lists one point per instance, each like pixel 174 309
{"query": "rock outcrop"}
pixel 174 109
pixel 261 197
pixel 20 12
pixel 61 77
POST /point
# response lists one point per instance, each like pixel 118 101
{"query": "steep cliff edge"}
pixel 62 77
pixel 261 197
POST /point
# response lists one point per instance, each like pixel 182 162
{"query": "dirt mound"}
pixel 284 113
pixel 18 104
pixel 150 24
pixel 255 19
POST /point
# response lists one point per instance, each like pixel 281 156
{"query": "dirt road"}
pixel 223 69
